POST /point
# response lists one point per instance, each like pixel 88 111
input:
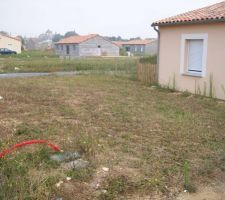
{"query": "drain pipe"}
pixel 157 68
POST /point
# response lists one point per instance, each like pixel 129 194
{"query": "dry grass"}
pixel 35 61
pixel 144 135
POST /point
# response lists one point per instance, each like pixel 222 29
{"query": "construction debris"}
pixel 64 157
pixel 77 164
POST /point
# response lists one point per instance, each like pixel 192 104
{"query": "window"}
pixel 127 49
pixel 67 49
pixel 61 47
pixel 194 54
pixel 142 49
pixel 135 48
pixel 74 47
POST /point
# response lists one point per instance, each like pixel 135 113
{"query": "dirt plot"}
pixel 137 139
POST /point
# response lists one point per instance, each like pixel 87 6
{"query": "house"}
pixel 45 45
pixel 85 46
pixel 31 43
pixel 12 43
pixel 139 47
pixel 192 51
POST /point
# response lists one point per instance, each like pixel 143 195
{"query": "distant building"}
pixel 48 35
pixel 12 43
pixel 31 43
pixel 45 45
pixel 85 46
pixel 139 47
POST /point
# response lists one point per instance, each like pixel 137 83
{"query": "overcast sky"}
pixel 127 18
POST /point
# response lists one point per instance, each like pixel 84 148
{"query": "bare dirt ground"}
pixel 206 193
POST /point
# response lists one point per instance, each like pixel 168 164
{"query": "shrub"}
pixel 149 59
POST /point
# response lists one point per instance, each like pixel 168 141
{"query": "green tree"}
pixel 57 37
pixel 70 33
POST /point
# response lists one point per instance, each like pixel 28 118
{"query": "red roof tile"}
pixel 76 39
pixel 213 13
pixel 133 42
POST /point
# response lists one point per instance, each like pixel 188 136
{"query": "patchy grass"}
pixel 48 62
pixel 143 135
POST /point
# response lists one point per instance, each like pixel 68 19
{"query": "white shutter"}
pixel 195 55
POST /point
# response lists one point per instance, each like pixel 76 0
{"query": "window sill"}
pixel 199 75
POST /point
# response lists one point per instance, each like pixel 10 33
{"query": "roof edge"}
pixel 94 35
pixel 14 38
pixel 186 22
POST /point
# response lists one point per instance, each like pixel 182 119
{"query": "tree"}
pixel 57 37
pixel 4 33
pixel 70 33
pixel 115 38
pixel 136 38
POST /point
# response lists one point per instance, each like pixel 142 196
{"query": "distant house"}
pixel 11 43
pixel 192 51
pixel 31 43
pixel 45 45
pixel 85 46
pixel 139 47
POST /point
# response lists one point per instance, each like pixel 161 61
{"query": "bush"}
pixel 149 59
pixel 123 52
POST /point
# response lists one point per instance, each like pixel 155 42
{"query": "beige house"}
pixel 11 43
pixel 192 51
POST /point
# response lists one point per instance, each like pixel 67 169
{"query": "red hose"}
pixel 19 145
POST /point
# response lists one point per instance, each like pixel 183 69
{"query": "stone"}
pixel 1 97
pixel 105 169
pixel 68 178
pixel 104 191
pixel 64 157
pixel 57 198
pixel 77 164
pixel 59 184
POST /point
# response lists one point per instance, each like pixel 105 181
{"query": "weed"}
pixel 185 94
pixel 86 144
pixel 223 88
pixel 22 129
pixel 174 82
pixel 81 174
pixel 170 111
pixel 15 183
pixel 205 89
pixel 186 172
pixel 25 129
pixel 114 186
pixel 186 175
pixel 211 86
pixel 149 59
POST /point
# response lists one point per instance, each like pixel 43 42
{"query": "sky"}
pixel 126 18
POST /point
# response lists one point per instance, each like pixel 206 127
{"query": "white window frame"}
pixel 183 67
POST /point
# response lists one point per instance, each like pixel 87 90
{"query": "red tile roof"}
pixel 213 13
pixel 76 39
pixel 133 42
